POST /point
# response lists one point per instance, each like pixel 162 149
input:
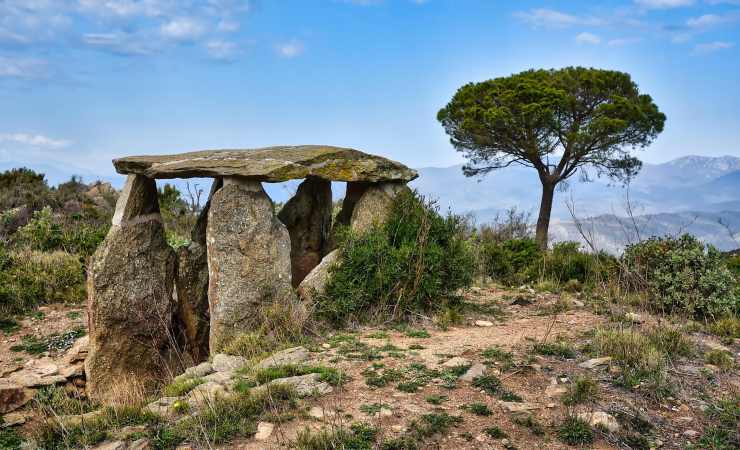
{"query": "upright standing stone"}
pixel 374 205
pixel 130 298
pixel 352 195
pixel 248 260
pixel 193 317
pixel 308 218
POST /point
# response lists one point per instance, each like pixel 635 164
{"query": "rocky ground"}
pixel 490 376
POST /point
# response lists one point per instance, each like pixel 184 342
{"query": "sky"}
pixel 84 81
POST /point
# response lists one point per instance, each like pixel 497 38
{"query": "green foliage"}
pixel 529 422
pixel 724 431
pixel 478 408
pixel 9 439
pixel 433 423
pixel 680 274
pixel 492 385
pixel 727 327
pixel 636 355
pixel 508 261
pixel 76 233
pixel 181 387
pixel 584 389
pixel 32 278
pixel 327 374
pixel 495 432
pixel 575 431
pixel 518 261
pixel 559 349
pixel 436 399
pixel 23 187
pixel 9 326
pixel 360 436
pixel 52 343
pixel 720 358
pixel 415 262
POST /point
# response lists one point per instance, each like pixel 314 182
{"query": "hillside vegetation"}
pixel 433 333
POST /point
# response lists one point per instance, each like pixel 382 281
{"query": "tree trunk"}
pixel 543 221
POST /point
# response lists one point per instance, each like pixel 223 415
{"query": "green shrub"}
pixel 575 431
pixel 566 263
pixel 415 262
pixel 680 274
pixel 76 233
pixel 635 354
pixel 509 261
pixel 23 187
pixel 32 278
pixel 584 389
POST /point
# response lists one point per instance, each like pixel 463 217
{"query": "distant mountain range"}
pixel 691 194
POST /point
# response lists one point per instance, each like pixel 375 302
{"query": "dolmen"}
pixel 154 310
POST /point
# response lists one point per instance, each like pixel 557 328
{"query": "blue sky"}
pixel 83 81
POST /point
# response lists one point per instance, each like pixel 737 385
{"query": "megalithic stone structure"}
pixel 130 298
pixel 242 260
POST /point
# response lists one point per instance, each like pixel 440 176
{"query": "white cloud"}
pixel 712 47
pixel 290 49
pixel 706 21
pixel 543 17
pixel 120 43
pixel 33 140
pixel 125 8
pixel 228 26
pixel 22 68
pixel 664 4
pixel 588 38
pixel 621 42
pixel 182 29
pixel 222 50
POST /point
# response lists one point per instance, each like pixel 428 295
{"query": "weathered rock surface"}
pixel 307 215
pixel 290 356
pixel 314 283
pixel 274 164
pixel 374 205
pixel 222 363
pixel 193 316
pixel 130 297
pixel 475 371
pixel 248 260
pixel 13 396
pixel 600 419
pixel 304 385
pixel 352 195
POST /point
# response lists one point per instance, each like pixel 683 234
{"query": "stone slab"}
pixel 271 164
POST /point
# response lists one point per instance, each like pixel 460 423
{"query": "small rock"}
pixel 30 379
pixel 633 317
pixel 601 419
pixel 595 362
pixel 305 385
pixel 518 407
pixel 115 445
pixel 126 432
pixel 555 390
pixel 78 351
pixel 326 345
pixel 73 371
pixel 13 419
pixel 77 419
pixel 205 393
pixel 293 356
pixel 457 361
pixel 398 428
pixel 551 405
pixel 42 367
pixel 578 303
pixel 690 434
pixel 140 444
pixel 223 378
pixel 385 412
pixel 475 371
pixel 264 431
pixel 13 396
pixel 316 412
pixel 222 363
pixel 483 323
pixel 163 406
pixel 200 370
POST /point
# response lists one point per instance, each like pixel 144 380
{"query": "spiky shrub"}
pixel 415 262
pixel 681 274
pixel 32 278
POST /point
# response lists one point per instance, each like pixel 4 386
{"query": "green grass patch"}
pixel 181 387
pixel 557 349
pixel 576 432
pixel 436 399
pixel 495 432
pixel 477 408
pixel 327 374
pixel 492 386
pixel 582 390
pixel 529 422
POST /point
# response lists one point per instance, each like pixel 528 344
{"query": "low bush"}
pixel 575 431
pixel 681 274
pixel 78 233
pixel 32 278
pixel 508 262
pixel 416 262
